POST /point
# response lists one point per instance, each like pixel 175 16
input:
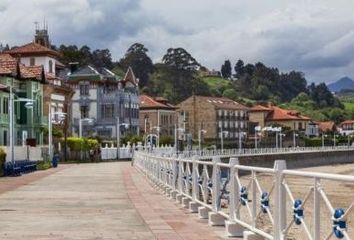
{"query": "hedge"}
pixel 84 144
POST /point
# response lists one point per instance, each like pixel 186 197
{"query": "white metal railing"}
pixel 265 201
pixel 207 154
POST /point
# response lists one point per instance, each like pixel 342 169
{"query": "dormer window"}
pixel 50 66
pixel 32 61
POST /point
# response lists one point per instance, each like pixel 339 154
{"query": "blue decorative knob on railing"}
pixel 298 211
pixel 243 195
pixel 265 202
pixel 338 223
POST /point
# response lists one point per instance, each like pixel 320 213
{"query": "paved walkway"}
pixel 93 201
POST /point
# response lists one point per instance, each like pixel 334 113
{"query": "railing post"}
pixel 214 218
pixel 193 206
pixel 317 209
pixel 232 228
pixel 279 200
pixel 216 184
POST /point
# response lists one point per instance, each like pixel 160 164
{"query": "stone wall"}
pixel 300 160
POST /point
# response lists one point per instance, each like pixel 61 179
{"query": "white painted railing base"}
pixel 193 207
pixel 173 195
pixel 203 212
pixel 179 198
pixel 185 202
pixel 248 235
pixel 233 229
pixel 216 219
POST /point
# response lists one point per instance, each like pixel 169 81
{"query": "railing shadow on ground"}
pixel 271 203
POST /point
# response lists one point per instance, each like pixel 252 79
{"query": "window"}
pixel 50 66
pixel 84 111
pixel 107 111
pixel 84 89
pixel 32 61
pixel 5 138
pixel 5 106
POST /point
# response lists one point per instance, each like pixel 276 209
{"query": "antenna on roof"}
pixel 36 25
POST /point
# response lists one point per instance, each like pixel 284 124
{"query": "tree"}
pixel 181 59
pixel 226 69
pixel 239 68
pixel 136 57
pixel 102 58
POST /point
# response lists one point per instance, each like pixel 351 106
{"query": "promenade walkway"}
pixel 93 201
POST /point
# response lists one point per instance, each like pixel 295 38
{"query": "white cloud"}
pixel 306 35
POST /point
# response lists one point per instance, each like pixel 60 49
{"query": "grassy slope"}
pixel 216 82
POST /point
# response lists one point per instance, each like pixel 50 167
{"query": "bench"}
pixel 19 167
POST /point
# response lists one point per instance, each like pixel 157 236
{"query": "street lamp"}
pixel 28 105
pixel 256 130
pixel 323 136
pixel 240 136
pixel 281 135
pixel 294 138
pixel 61 116
pixel 200 139
pixel 222 139
pixel 176 137
pixel 334 139
pixel 126 125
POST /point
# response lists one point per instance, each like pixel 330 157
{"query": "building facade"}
pixel 157 116
pixel 29 123
pixel 214 115
pixel 271 115
pixel 100 98
pixel 346 128
pixel 38 56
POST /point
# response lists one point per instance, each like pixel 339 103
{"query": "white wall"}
pixel 40 61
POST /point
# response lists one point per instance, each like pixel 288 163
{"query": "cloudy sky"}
pixel 313 36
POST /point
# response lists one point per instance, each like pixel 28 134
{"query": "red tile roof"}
pixel 37 71
pixel 347 122
pixel 9 65
pixel 279 114
pixel 326 126
pixel 147 102
pixel 223 103
pixel 260 108
pixel 33 49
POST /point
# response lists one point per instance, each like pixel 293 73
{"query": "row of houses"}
pixel 216 116
pixel 91 99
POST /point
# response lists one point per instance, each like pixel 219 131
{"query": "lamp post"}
pixel 240 136
pixel 294 138
pixel 334 139
pixel 176 137
pixel 61 115
pixel 222 139
pixel 28 105
pixel 126 125
pixel 323 136
pixel 256 130
pixel 281 135
pixel 200 139
pixel 89 120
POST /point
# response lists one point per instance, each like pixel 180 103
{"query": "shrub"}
pixel 166 140
pixel 84 144
pixel 2 161
pixel 43 165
